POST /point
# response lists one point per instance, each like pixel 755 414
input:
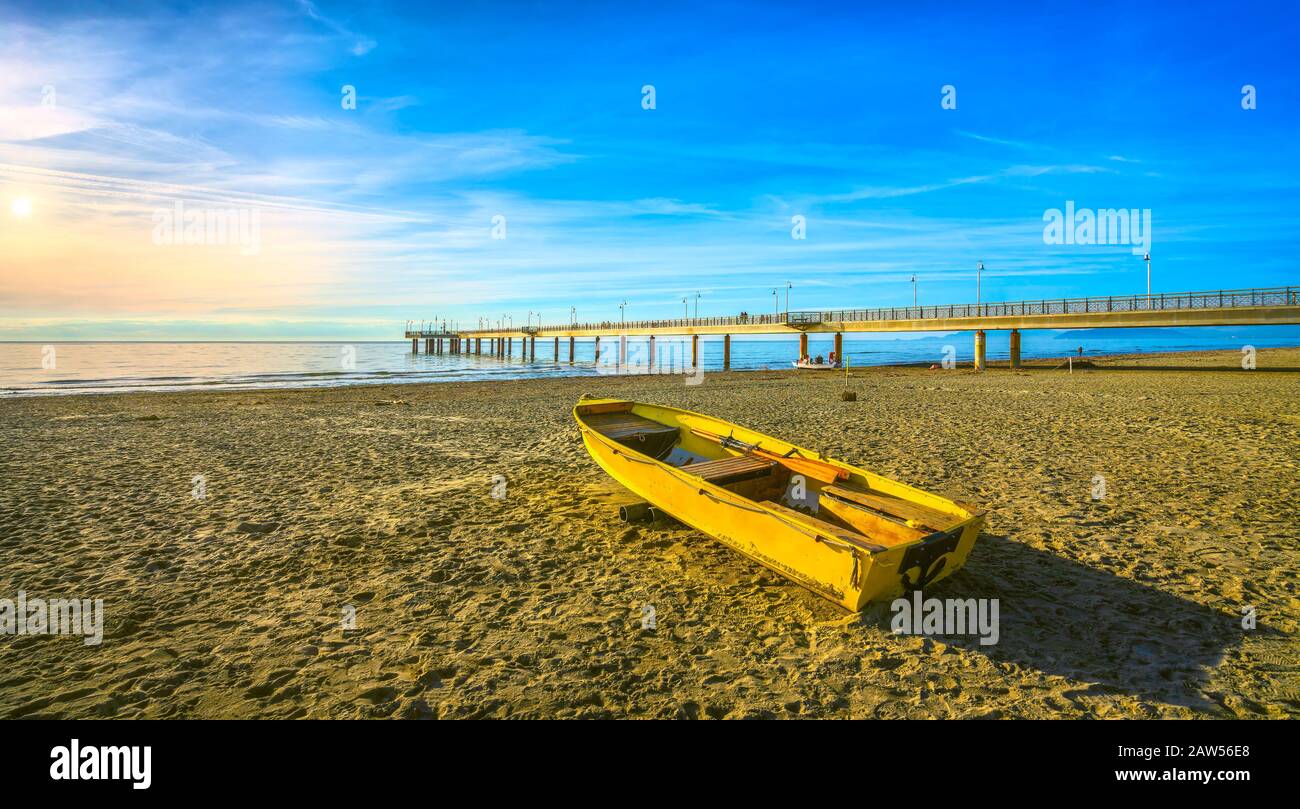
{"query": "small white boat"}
pixel 809 365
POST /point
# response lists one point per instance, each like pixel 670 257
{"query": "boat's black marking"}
pixel 928 557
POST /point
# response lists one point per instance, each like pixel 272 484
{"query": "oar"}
pixel 817 470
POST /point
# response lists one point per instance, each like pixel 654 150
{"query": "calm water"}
pixel 90 367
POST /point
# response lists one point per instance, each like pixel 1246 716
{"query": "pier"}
pixel 1229 307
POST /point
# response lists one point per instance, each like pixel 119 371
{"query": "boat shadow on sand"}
pixel 1064 618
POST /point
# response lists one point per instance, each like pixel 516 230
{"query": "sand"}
pixel 381 499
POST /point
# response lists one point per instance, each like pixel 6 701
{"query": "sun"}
pixel 22 207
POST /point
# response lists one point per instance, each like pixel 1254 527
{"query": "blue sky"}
pixel 373 215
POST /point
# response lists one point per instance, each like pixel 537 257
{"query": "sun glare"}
pixel 22 207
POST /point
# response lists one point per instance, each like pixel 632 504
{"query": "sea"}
pixel 62 368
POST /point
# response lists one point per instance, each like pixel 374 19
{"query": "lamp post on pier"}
pixel 1147 259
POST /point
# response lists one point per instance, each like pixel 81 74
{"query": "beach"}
pixel 451 551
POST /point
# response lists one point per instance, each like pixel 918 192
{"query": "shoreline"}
pixel 1027 363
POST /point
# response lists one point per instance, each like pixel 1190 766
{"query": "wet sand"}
pixel 530 604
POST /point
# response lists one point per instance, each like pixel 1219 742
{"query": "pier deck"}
pixel 1235 307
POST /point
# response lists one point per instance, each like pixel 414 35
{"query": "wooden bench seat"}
pixel 897 509
pixel 731 470
pixel 817 524
pixel 622 426
pixel 638 432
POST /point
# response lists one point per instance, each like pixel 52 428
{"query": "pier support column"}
pixel 532 348
pixel 415 345
pixel 1015 349
pixel 478 345
pixel 695 351
pixel 726 352
pixel 839 347
pixel 803 344
pixel 622 350
pixel 979 349
pixel 597 350
pixel 572 340
pixel 557 351
pixel 510 346
pixel 650 364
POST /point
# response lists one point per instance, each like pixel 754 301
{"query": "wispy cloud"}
pixel 1018 171
pixel 989 139
pixel 360 44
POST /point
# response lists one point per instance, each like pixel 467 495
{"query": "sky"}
pixel 504 160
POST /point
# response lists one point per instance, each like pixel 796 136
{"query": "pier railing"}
pixel 1156 301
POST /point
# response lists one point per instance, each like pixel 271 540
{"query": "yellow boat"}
pixel 844 533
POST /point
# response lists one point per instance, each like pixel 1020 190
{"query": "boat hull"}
pixel 848 572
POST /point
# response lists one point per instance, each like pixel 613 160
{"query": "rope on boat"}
pixel 834 543
pixel 854 575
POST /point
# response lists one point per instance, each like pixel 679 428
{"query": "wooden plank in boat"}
pixel 731 470
pixel 870 524
pixel 604 407
pixel 895 507
pixel 820 525
pixel 619 426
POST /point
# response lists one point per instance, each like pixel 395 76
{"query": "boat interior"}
pixel 846 508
